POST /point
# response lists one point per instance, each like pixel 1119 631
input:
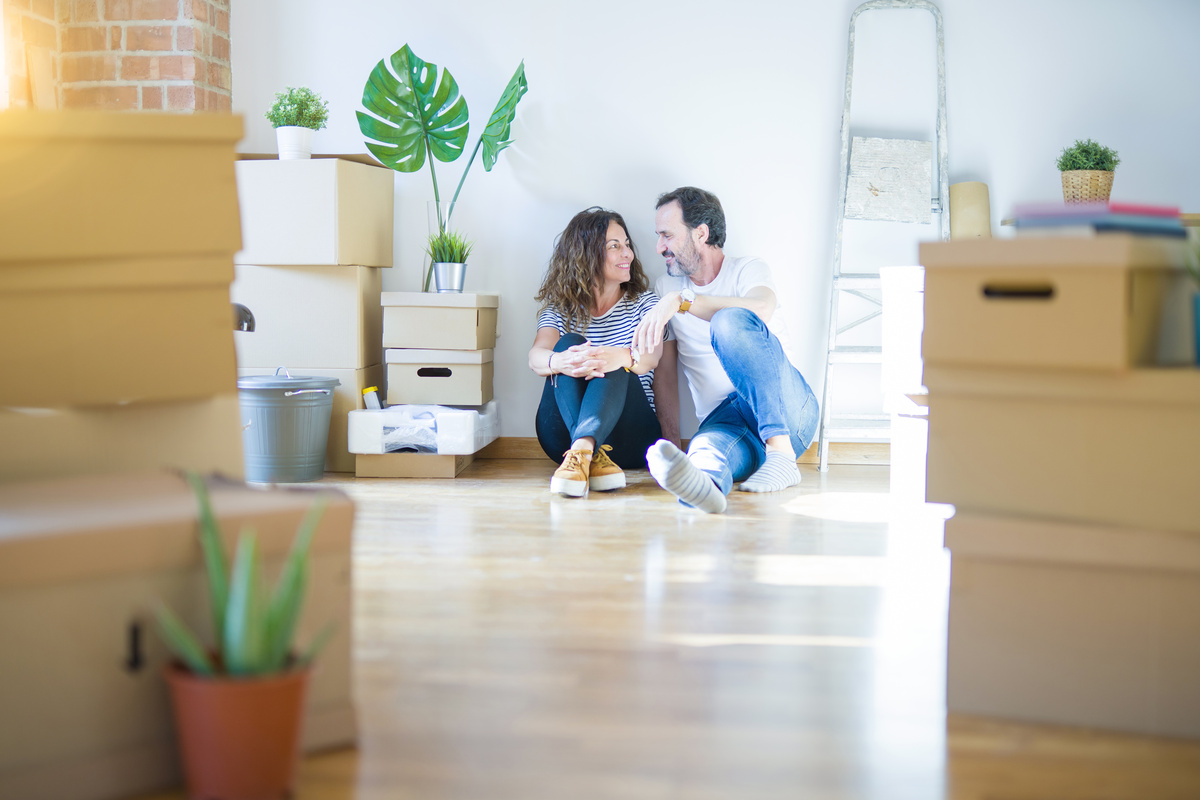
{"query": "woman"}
pixel 598 395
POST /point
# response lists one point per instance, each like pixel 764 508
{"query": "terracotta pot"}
pixel 239 739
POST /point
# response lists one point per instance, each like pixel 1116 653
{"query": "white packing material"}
pixel 445 430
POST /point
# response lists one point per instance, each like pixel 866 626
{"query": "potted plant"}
pixel 416 112
pixel 239 705
pixel 294 115
pixel 1087 172
pixel 448 253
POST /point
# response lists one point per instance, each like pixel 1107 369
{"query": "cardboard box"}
pixel 84 711
pixel 440 377
pixel 410 465
pixel 100 184
pixel 86 332
pixel 306 316
pixel 346 398
pixel 316 211
pixel 1116 449
pixel 203 435
pixel 1074 624
pixel 433 321
pixel 444 430
pixel 1108 302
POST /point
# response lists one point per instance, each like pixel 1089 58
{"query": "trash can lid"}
pixel 290 382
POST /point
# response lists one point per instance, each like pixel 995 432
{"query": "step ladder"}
pixel 856 427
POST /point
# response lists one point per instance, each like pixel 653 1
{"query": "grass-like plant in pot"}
pixel 448 253
pixel 1087 169
pixel 239 704
pixel 417 114
pixel 295 115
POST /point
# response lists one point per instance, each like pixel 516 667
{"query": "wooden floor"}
pixel 514 645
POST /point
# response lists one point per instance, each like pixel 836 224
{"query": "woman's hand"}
pixel 581 361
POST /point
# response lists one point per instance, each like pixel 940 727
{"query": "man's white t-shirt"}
pixel 705 376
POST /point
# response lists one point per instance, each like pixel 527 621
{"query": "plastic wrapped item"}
pixel 445 430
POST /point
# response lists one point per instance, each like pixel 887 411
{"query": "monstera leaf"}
pixel 415 112
pixel 497 135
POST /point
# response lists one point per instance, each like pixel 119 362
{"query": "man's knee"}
pixel 569 340
pixel 729 324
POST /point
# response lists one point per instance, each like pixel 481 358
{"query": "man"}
pixel 756 410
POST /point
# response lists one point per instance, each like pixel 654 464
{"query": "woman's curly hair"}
pixel 577 268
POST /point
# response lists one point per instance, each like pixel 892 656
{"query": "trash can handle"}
pixel 284 370
pixel 305 391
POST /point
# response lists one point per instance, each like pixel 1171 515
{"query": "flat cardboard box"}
pixel 310 316
pixel 322 211
pixel 82 563
pixel 436 321
pixel 347 397
pixel 439 377
pixel 1074 624
pixel 1108 302
pixel 202 435
pixel 102 184
pixel 410 465
pixel 1108 448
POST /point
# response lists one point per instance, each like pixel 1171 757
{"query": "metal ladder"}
pixel 867 285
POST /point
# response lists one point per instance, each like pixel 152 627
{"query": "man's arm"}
pixel 666 392
pixel 759 299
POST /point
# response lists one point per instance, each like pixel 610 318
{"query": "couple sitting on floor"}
pixel 609 347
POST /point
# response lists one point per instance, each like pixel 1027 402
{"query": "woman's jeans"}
pixel 770 398
pixel 613 410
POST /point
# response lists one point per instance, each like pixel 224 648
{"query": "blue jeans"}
pixel 613 410
pixel 770 398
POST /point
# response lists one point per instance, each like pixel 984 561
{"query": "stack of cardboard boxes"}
pixel 1064 424
pixel 116 257
pixel 318 234
pixel 439 351
pixel 117 235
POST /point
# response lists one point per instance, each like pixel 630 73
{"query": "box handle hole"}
pixel 1018 292
pixel 433 372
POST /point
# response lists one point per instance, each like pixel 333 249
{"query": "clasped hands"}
pixel 587 360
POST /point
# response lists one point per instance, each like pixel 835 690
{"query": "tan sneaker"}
pixel 571 479
pixel 605 475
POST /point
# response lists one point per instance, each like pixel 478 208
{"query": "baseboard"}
pixel 841 453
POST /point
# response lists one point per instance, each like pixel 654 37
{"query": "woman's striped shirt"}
pixel 612 329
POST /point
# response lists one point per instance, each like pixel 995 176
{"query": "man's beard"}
pixel 686 263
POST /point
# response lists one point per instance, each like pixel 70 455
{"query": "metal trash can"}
pixel 285 426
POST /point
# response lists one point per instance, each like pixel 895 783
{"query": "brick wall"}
pixel 152 55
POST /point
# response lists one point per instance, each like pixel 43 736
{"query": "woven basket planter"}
pixel 1086 185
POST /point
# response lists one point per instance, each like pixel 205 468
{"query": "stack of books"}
pixel 1088 219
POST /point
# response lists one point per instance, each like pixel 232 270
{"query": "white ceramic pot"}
pixel 294 142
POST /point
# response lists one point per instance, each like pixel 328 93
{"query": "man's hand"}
pixel 581 361
pixel 649 333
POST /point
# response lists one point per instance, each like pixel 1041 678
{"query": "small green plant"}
pixel 1087 154
pixel 448 248
pixel 300 107
pixel 253 630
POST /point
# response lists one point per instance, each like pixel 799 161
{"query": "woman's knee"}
pixel 569 340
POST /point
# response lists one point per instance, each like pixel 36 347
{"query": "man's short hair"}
pixel 699 208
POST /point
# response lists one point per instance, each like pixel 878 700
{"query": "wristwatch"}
pixel 687 297
pixel 635 355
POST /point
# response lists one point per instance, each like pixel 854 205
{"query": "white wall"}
pixel 630 99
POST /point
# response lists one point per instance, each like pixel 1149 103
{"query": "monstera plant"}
pixel 417 114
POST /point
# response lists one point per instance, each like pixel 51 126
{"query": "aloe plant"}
pixel 253 630
pixel 417 115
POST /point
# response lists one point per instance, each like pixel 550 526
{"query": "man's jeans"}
pixel 771 398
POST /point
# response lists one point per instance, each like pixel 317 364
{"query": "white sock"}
pixel 778 472
pixel 671 468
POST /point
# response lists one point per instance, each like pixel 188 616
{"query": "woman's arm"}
pixel 543 350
